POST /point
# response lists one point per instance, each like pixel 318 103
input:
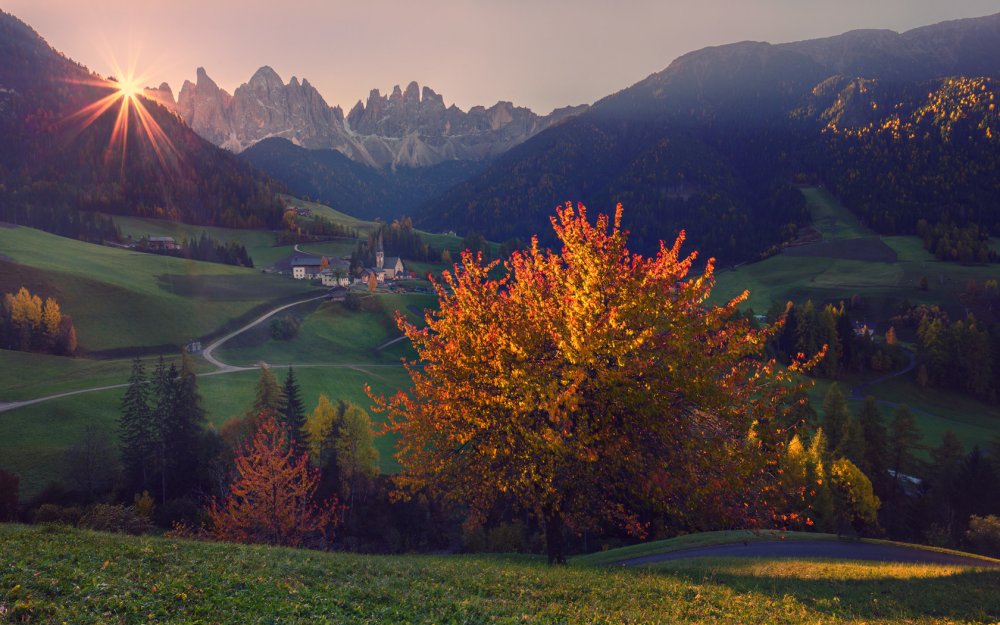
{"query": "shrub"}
pixel 62 515
pixel 114 518
pixel 984 534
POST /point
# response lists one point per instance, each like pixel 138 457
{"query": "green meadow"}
pixel 34 439
pixel 51 574
pixel 124 299
pixel 833 271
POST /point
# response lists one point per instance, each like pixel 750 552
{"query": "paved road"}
pixel 207 353
pixel 848 550
pixel 222 367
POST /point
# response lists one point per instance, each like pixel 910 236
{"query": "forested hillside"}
pixel 56 159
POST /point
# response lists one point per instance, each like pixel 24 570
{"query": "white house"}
pixel 306 267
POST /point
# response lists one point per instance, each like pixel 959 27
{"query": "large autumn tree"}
pixel 590 385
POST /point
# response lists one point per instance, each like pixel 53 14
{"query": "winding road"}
pixel 837 549
pixel 858 392
pixel 222 367
pixel 208 354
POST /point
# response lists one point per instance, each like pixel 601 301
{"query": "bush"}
pixel 984 534
pixel 114 518
pixel 62 515
pixel 286 328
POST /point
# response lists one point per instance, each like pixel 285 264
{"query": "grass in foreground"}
pixel 52 575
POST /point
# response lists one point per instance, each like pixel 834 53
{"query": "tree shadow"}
pixel 960 594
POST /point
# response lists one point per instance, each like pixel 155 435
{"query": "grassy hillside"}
pixel 53 575
pixel 850 261
pixel 119 298
pixel 260 244
pixel 34 439
pixel 330 333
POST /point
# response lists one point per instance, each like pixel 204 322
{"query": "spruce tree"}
pixel 836 417
pixel 293 414
pixel 183 430
pixel 876 462
pixel 161 403
pixel 904 440
pixel 136 432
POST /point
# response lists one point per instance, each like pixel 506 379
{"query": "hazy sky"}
pixel 537 53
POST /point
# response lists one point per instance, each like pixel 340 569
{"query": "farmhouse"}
pixel 161 243
pixel 337 274
pixel 306 267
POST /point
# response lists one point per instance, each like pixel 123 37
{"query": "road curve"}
pixel 207 352
pixel 837 549
pixel 858 392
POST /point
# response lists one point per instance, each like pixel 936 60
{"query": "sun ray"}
pixel 127 93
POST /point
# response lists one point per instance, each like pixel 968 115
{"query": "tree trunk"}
pixel 555 541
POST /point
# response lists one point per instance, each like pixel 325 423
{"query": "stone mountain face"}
pixel 410 128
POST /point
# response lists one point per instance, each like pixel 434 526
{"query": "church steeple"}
pixel 379 253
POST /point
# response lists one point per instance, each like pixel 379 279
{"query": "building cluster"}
pixel 337 271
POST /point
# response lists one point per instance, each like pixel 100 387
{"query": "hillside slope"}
pixel 55 160
pixel 55 575
pixel 711 143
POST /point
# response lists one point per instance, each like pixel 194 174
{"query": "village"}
pixel 336 272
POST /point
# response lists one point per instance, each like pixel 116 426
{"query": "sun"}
pixel 128 87
pixel 125 93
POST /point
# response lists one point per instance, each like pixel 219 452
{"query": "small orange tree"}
pixel 591 385
pixel 271 499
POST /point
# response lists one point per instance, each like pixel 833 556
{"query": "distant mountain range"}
pixel 902 127
pixel 713 143
pixel 408 128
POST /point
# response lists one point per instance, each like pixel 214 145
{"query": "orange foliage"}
pixel 590 385
pixel 271 499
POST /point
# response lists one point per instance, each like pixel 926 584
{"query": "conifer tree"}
pixel 183 430
pixel 136 432
pixel 271 499
pixel 293 414
pixel 875 462
pixel 904 440
pixel 836 417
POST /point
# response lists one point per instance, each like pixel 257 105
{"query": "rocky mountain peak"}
pixel 408 127
pixel 412 93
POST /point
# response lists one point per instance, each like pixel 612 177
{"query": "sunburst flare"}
pixel 126 93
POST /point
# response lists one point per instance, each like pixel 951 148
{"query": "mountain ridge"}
pixel 405 128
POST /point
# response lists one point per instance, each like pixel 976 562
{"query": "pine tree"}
pixel 136 432
pixel 875 463
pixel 182 432
pixel 904 440
pixel 836 417
pixel 162 405
pixel 293 414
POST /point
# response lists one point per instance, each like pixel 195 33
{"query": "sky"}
pixel 542 54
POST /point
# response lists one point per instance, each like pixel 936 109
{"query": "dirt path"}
pixel 847 550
